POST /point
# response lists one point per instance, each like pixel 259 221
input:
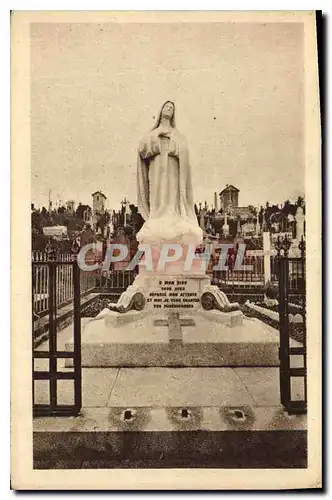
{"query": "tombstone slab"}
pixel 203 338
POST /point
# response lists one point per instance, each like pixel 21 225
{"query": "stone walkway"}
pixel 171 387
pixel 170 417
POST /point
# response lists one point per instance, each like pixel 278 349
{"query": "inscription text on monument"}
pixel 173 294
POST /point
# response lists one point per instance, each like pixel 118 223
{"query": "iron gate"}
pixel 293 360
pixel 53 375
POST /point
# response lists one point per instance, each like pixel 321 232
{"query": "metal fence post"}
pixel 284 330
pixel 287 371
pixel 53 331
pixel 50 351
pixel 77 335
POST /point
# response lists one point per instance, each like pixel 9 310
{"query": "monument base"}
pixel 176 321
pixel 207 339
pixel 160 294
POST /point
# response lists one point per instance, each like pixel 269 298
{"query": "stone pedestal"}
pixel 172 320
pixel 186 262
pixel 165 293
pixel 172 316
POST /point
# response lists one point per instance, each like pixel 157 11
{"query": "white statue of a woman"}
pixel 165 195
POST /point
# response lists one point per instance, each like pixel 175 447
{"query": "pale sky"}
pixel 237 87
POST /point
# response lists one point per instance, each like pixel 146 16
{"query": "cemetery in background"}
pixel 58 234
pixel 239 285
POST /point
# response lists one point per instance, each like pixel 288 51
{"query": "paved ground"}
pixel 167 386
pixel 172 418
pixel 234 419
pixel 161 387
pixel 172 387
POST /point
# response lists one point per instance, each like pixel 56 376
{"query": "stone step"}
pixel 204 437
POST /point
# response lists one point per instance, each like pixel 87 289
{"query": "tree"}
pixel 252 210
pixel 81 209
pixel 36 222
pixel 137 221
pixel 261 216
pixel 133 209
pixel 103 221
pixel 62 210
pixel 300 201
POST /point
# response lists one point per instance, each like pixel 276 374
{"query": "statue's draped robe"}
pixel 165 194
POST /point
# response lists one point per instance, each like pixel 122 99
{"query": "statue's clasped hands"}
pixel 163 131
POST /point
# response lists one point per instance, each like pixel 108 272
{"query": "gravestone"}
pixel 300 219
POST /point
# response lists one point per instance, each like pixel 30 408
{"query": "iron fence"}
pixel 51 373
pixel 64 279
pixel 253 274
pixel 296 273
pixel 293 359
pixel 116 281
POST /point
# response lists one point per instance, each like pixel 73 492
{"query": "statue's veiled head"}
pixel 167 111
